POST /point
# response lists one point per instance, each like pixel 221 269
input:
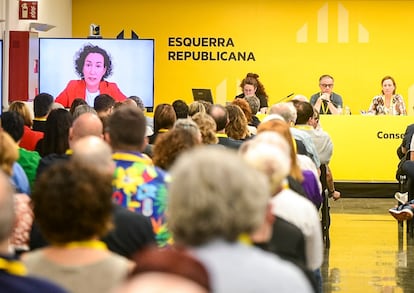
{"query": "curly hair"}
pixel 244 105
pixel 207 127
pixel 170 145
pixel 253 79
pixel 72 202
pixel 237 126
pixel 87 49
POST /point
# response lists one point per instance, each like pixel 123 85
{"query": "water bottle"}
pixel 339 110
pixel 347 110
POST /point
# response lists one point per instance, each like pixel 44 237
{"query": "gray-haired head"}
pixel 214 194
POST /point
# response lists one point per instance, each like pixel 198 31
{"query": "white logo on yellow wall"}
pixel 322 27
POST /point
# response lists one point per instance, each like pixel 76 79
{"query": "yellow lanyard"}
pixel 163 130
pixel 94 244
pixel 13 267
pixel 324 110
pixel 245 239
pixel 221 135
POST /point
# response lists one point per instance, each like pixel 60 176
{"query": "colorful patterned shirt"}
pixel 141 187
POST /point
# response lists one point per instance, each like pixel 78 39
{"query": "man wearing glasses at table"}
pixel 326 101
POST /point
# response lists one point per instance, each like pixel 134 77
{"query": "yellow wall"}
pixel 293 43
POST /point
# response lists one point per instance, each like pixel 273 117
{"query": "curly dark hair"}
pixel 170 145
pixel 87 49
pixel 72 202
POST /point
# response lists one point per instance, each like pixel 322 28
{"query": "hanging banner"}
pixel 28 10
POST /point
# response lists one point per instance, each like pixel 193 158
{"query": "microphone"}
pixel 288 96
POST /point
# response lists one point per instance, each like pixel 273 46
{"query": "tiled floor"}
pixel 369 251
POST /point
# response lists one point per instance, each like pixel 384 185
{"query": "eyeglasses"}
pixel 326 85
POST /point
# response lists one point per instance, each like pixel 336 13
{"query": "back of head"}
pixel 188 125
pixel 21 108
pixel 41 104
pixel 8 153
pixel 167 270
pixel 76 102
pixel 245 107
pixel 103 102
pixel 93 151
pixel 207 127
pixel 85 125
pixel 126 127
pixel 214 195
pixel 304 112
pixel 254 104
pixel 56 139
pixel 180 108
pixel 220 116
pixel 138 101
pixel 7 216
pixel 286 110
pixel 269 155
pixel 81 109
pixel 171 144
pixel 69 189
pixel 164 117
pixel 196 107
pixel 13 124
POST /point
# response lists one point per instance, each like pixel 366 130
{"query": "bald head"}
pixel 85 125
pixel 93 151
pixel 6 208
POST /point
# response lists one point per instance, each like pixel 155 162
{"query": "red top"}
pixel 77 89
pixel 30 138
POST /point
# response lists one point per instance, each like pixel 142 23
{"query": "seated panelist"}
pixel 326 101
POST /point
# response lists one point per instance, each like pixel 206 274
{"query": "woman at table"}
pixel 388 103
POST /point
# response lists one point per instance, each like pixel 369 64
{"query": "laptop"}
pixel 202 94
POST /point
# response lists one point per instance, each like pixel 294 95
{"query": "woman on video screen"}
pixel 93 64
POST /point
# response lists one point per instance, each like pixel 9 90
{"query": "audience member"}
pixel 140 104
pixel 196 107
pixel 81 109
pixel 169 146
pixel 207 127
pixel 138 184
pixel 164 119
pixel 326 101
pixel 288 112
pixel 388 103
pixel 9 154
pixel 13 276
pixel 85 125
pixel 166 270
pixel 30 137
pixel 103 105
pixel 131 232
pixel 42 104
pixel 270 153
pixel 221 117
pixel 56 133
pixel 254 104
pixel 76 102
pixel 76 259
pixel 180 108
pixel 244 106
pixel 210 217
pixel 251 86
pixel 13 124
pixel 237 127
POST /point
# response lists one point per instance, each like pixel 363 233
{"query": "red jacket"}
pixel 30 138
pixel 77 89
